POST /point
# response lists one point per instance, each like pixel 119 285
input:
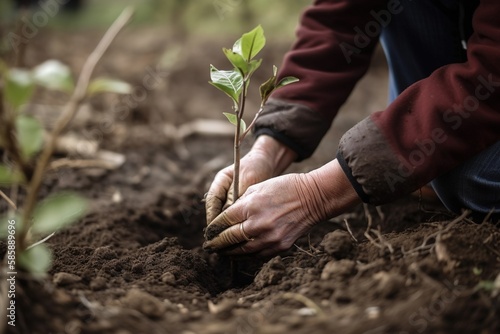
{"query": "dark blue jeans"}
pixel 426 35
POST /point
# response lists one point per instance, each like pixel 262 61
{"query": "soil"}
pixel 134 264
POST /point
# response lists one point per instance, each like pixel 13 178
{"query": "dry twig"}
pixel 91 163
pixel 349 230
pixel 8 200
pixel 426 246
pixel 303 250
pixel 382 243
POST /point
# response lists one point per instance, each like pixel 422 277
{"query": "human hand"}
pixel 266 159
pixel 254 168
pixel 273 214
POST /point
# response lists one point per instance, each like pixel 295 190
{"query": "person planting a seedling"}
pixel 441 126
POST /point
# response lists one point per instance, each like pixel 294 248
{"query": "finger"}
pixel 216 195
pixel 229 198
pixel 219 224
pixel 245 183
pixel 231 236
pixel 226 219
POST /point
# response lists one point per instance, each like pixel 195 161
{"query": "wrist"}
pixel 333 189
pixel 279 155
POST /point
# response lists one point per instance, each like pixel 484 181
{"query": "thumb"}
pixel 230 197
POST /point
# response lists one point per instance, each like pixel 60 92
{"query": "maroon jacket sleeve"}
pixel 329 57
pixel 434 125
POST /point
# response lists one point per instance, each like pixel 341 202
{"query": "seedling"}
pixel 234 83
pixel 22 138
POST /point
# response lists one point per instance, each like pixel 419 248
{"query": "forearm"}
pixel 434 125
pixel 333 192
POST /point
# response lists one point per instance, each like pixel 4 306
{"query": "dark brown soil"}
pixel 134 264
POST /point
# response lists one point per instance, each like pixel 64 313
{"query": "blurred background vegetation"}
pixel 221 17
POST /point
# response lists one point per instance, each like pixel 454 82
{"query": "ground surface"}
pixel 134 263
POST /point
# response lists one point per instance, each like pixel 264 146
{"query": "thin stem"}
pixel 237 142
pixel 67 115
pixel 20 52
pixel 249 128
pixel 4 301
pixel 14 191
pixel 7 131
pixel 8 200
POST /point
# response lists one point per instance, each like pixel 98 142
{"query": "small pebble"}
pixel 307 312
pixel 342 268
pixel 388 284
pixel 372 312
pixel 168 278
pixel 98 283
pixel 62 278
pixel 143 302
pixel 337 244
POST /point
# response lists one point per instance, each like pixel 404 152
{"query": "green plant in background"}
pixel 235 84
pixel 22 139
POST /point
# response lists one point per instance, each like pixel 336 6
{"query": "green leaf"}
pixel 233 119
pixel 253 66
pixel 230 82
pixel 29 135
pixel 53 74
pixel 286 81
pixel 243 125
pixel 57 211
pixel 267 88
pixel 9 176
pixel 102 85
pixel 237 60
pixel 3 67
pixel 36 260
pixel 250 43
pixel 19 87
